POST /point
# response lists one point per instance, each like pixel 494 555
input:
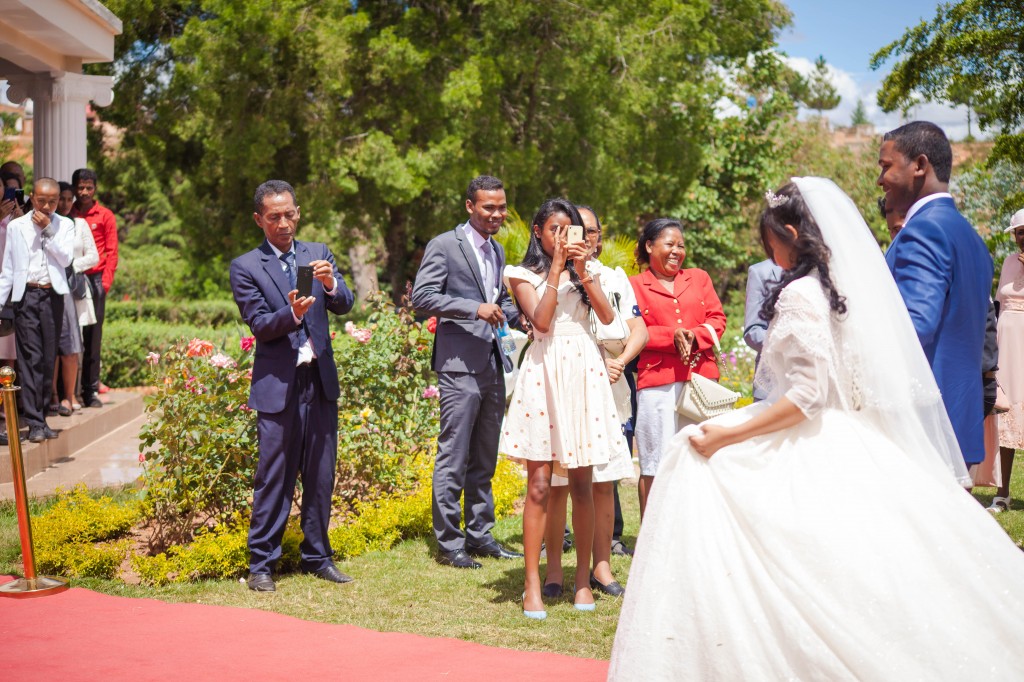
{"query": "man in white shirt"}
pixel 38 249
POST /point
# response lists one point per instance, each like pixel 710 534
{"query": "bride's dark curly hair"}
pixel 809 250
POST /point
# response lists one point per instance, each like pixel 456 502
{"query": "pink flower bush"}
pixel 223 361
pixel 431 392
pixel 153 358
pixel 247 342
pixel 360 335
pixel 198 348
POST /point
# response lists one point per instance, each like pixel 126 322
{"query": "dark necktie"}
pixel 289 267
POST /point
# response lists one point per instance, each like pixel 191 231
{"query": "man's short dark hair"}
pixel 271 188
pixel 65 187
pixel 486 183
pixel 921 137
pixel 84 174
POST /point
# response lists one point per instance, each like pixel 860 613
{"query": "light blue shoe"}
pixel 535 615
pixel 585 607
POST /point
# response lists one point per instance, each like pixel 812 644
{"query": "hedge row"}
pixel 218 313
pixel 126 343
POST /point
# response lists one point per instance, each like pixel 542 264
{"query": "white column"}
pixel 58 115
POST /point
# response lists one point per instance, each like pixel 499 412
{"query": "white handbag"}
pixel 612 336
pixel 703 398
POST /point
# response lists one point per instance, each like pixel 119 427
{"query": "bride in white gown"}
pixel 823 534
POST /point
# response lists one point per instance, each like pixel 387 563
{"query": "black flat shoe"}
pixel 457 559
pixel 612 589
pixel 552 590
pixel 261 582
pixel 331 574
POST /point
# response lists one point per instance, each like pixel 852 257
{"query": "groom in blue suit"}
pixel 294 385
pixel 943 271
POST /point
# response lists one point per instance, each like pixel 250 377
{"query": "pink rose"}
pixel 432 325
pixel 153 358
pixel 247 343
pixel 431 392
pixel 198 348
pixel 222 361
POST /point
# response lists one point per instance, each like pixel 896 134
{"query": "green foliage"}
pixel 218 553
pixel 387 415
pixel 821 94
pixel 380 112
pixel 126 343
pixel 980 193
pixel 970 53
pixel 200 439
pixel 382 523
pixel 216 313
pixel 860 115
pixel 66 535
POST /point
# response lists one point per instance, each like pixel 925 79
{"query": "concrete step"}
pixel 96 446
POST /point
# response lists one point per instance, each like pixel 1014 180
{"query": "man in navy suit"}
pixel 943 271
pixel 460 282
pixel 294 385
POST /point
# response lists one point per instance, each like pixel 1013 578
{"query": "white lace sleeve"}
pixel 802 346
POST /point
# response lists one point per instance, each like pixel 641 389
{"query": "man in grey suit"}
pixel 460 282
pixel 754 326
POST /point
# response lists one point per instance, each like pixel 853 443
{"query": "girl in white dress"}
pixel 562 417
pixel 823 534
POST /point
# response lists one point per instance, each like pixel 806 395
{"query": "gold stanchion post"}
pixel 31 585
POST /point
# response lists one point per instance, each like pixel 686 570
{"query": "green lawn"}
pixel 405 590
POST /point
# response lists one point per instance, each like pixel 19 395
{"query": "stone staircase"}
pixel 98 447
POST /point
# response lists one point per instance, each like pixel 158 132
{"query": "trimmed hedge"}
pixel 127 342
pixel 218 313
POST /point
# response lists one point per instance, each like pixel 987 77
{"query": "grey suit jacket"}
pixel 449 286
pixel 754 326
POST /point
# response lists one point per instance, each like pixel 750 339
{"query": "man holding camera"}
pixel 38 249
pixel 284 290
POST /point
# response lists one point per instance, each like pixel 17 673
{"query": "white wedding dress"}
pixel 831 550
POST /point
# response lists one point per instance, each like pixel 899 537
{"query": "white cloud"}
pixel 953 120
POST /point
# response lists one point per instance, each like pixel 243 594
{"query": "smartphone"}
pixel 304 280
pixel 574 234
pixel 10 193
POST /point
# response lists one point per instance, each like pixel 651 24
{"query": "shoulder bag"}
pixel 703 398
pixel 612 336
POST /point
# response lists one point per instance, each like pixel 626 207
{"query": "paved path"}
pixel 97 446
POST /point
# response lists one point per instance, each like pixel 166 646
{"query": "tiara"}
pixel 775 200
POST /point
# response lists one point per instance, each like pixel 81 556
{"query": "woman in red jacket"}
pixel 675 303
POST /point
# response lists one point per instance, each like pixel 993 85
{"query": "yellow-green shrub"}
pixel 219 553
pixel 65 536
pixel 381 524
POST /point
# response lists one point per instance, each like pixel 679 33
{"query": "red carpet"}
pixel 84 635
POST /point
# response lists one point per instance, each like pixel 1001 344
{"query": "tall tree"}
pixel 381 112
pixel 821 94
pixel 971 45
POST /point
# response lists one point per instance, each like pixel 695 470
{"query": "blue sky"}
pixel 846 34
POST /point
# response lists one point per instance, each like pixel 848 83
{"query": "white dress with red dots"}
pixel 562 408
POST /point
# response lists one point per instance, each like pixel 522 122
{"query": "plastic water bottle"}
pixel 508 344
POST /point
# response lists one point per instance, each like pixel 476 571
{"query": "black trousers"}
pixel 38 317
pixel 92 339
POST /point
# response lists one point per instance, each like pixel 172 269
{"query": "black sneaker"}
pixel 36 434
pixel 620 548
pixel 3 438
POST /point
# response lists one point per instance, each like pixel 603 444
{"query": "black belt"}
pixel 33 285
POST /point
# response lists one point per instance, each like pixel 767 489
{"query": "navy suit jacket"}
pixel 261 287
pixel 449 285
pixel 944 272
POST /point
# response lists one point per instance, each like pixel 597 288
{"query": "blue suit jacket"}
pixel 261 287
pixel 944 272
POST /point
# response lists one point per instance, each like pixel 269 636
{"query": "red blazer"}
pixel 692 303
